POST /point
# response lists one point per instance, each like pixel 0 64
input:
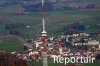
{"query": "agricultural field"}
pixel 9 14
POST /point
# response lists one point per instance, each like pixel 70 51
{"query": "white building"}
pixel 93 42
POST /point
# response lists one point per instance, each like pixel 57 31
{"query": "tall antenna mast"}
pixel 43 20
pixel 44 35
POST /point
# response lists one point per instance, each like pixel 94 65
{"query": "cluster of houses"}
pixel 79 39
pixel 84 39
pixel 53 1
pixel 57 46
pixel 58 1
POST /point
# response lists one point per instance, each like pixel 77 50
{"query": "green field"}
pixel 11 44
pixel 53 19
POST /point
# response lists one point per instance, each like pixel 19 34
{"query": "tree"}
pixel 90 6
pixel 38 7
pixel 98 57
pixel 25 48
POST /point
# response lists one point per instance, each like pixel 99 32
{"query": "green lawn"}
pixel 98 39
pixel 11 44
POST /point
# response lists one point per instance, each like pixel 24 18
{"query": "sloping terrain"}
pixel 11 43
pixel 15 14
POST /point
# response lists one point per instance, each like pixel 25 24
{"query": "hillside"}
pixel 11 43
pixel 16 14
